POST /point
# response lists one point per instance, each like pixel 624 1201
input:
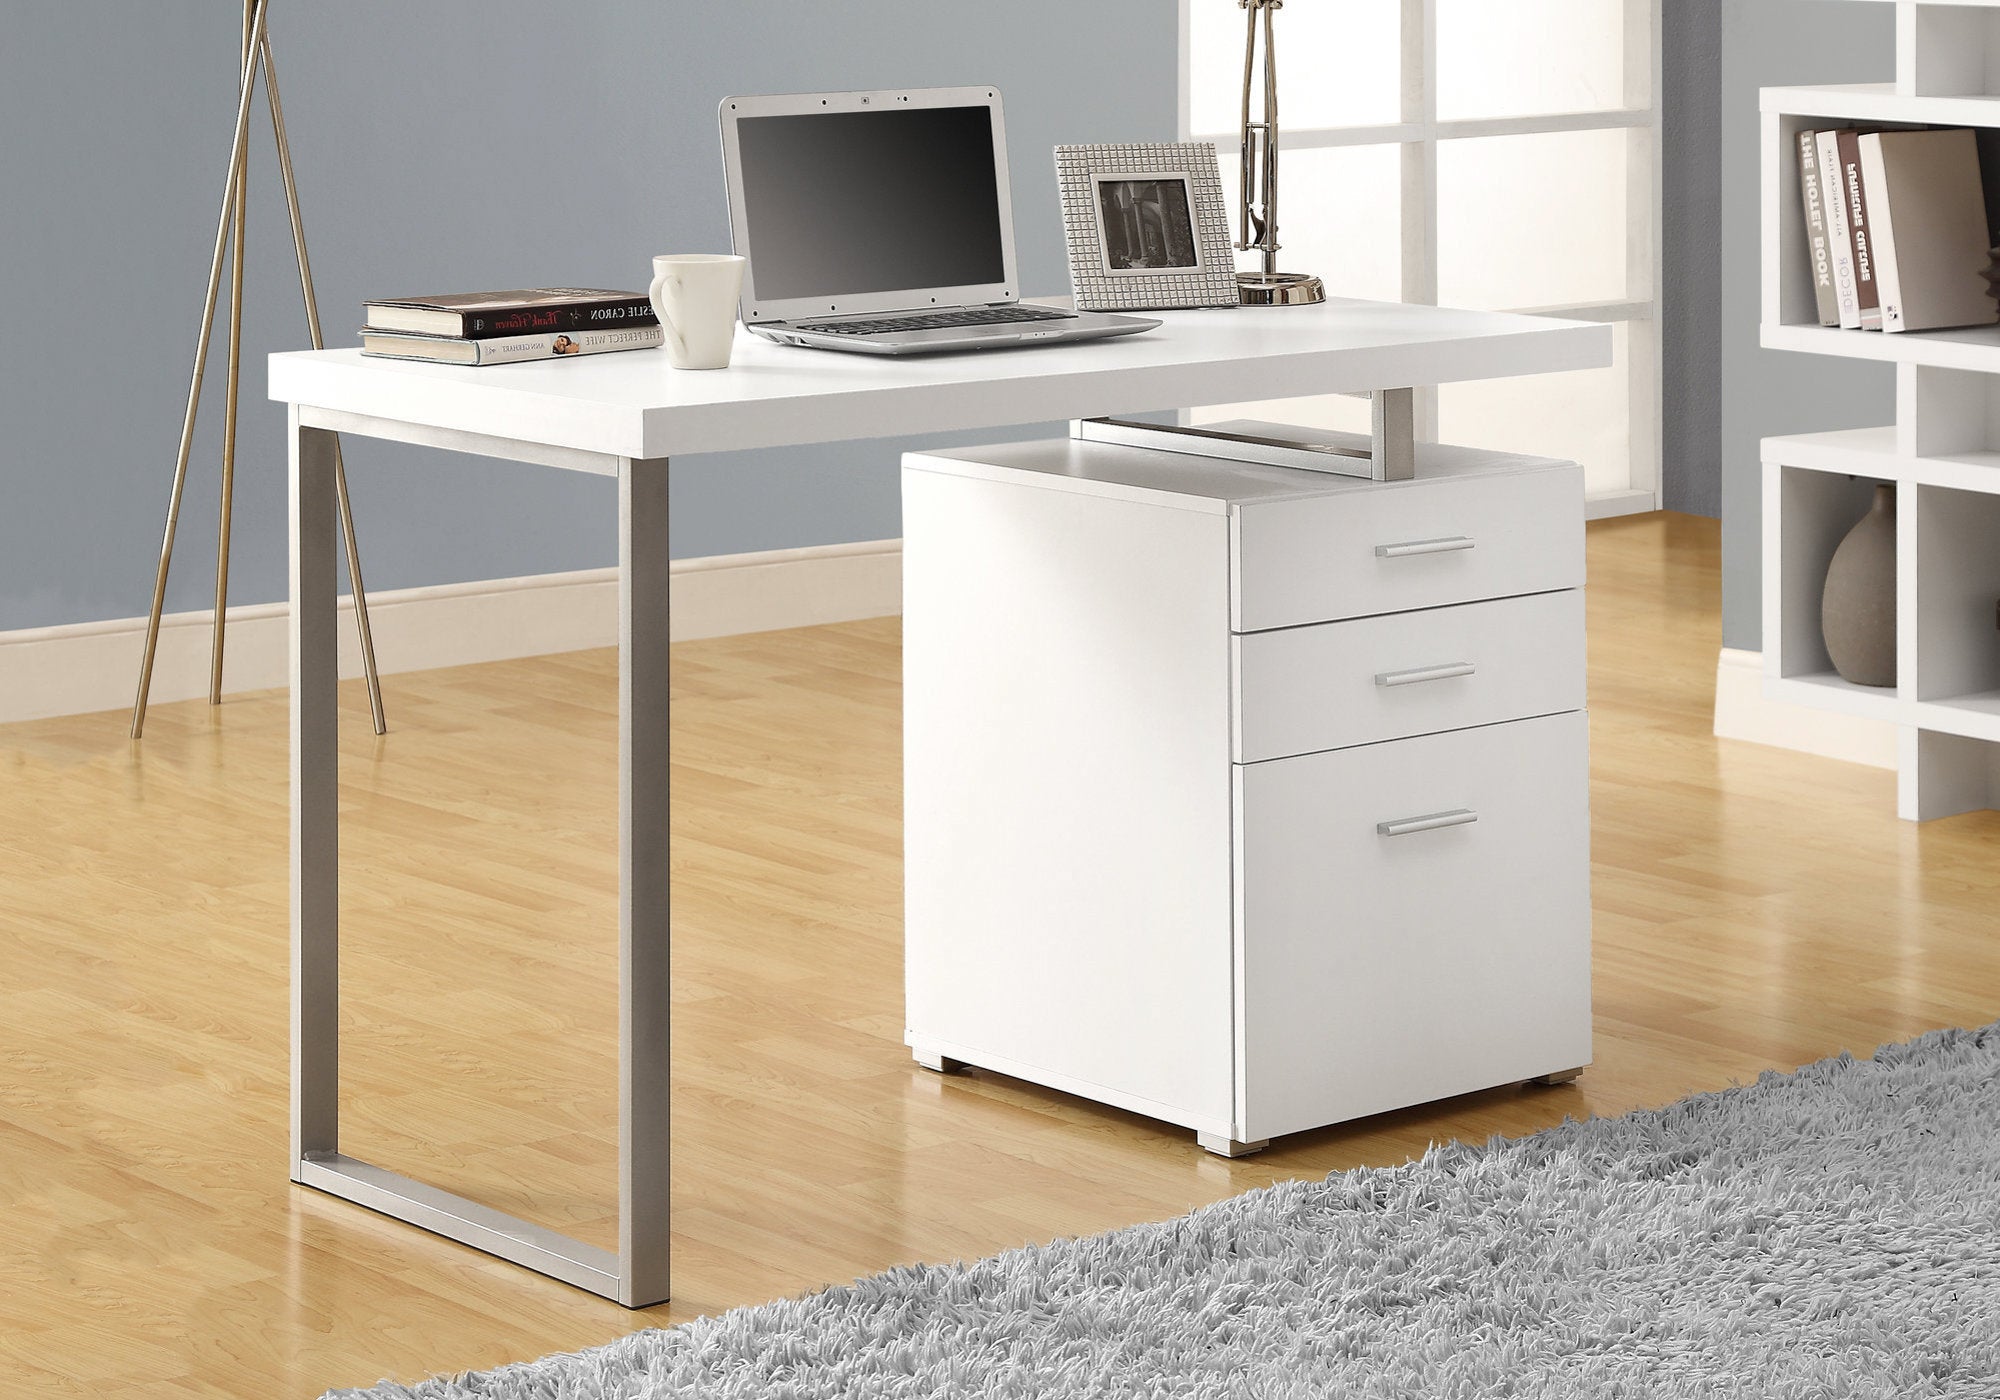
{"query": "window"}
pixel 1463 152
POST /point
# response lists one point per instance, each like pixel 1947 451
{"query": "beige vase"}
pixel 1857 614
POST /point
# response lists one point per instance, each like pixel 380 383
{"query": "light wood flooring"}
pixel 1754 908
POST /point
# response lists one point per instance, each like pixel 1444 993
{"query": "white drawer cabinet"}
pixel 1249 799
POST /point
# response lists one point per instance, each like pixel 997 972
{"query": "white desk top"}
pixel 633 404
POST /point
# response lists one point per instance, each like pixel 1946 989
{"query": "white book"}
pixel 1839 242
pixel 1927 206
pixel 506 349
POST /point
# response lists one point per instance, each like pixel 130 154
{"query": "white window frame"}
pixel 1419 133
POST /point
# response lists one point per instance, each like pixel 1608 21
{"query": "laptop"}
pixel 881 222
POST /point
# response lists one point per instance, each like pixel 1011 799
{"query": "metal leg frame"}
pixel 635 1276
pixel 1391 454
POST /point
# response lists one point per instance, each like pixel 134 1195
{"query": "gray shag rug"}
pixel 1830 1233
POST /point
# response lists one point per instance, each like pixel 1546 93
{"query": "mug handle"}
pixel 667 327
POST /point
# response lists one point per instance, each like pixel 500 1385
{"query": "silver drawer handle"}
pixel 1433 822
pixel 1424 673
pixel 1438 546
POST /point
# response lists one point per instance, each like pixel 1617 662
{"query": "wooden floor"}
pixel 1754 909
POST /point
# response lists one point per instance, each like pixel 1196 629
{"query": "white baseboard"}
pixel 1742 711
pixel 85 667
pixel 1601 505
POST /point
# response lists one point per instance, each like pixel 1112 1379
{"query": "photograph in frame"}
pixel 1146 223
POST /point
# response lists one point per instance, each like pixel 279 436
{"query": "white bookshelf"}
pixel 1942 452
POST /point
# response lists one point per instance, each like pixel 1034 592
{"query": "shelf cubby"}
pixel 1947 698
pixel 1809 506
pixel 1954 573
pixel 1941 773
pixel 1951 759
pixel 1947 413
pixel 1948 51
pixel 1790 314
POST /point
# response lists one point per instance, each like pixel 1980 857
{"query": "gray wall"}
pixel 1691 306
pixel 457 144
pixel 1766 43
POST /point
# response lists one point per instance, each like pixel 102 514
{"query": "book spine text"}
pixel 1840 250
pixel 545 320
pixel 1824 295
pixel 1882 228
pixel 507 349
pixel 1856 199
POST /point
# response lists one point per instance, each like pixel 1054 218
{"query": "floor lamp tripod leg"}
pixel 194 386
pixel 285 171
pixel 234 383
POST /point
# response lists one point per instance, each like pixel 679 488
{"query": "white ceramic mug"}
pixel 695 295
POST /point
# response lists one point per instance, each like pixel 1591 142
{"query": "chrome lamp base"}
pixel 1279 289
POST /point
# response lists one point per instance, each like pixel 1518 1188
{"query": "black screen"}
pixel 840 203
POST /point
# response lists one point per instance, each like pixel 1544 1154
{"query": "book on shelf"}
pixel 1927 208
pixel 1858 234
pixel 529 311
pixel 1839 247
pixel 1816 236
pixel 507 349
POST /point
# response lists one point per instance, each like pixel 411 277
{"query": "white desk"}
pixel 624 415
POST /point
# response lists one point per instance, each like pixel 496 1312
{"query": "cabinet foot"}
pixel 1561 1076
pixel 1229 1147
pixel 931 1060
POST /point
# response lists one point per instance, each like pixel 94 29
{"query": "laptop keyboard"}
pixel 938 320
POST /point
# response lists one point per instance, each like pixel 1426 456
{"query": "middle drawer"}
pixel 1303 689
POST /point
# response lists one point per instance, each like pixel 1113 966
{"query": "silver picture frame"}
pixel 1146 226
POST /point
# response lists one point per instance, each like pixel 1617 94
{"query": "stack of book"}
pixel 1897 229
pixel 496 328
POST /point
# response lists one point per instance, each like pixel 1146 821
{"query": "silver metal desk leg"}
pixel 643 882
pixel 636 1275
pixel 315 799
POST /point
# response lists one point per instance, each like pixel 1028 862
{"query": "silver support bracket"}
pixel 1391 453
pixel 1394 435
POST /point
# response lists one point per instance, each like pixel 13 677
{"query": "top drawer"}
pixel 1418 544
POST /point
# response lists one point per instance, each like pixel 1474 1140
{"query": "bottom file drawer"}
pixel 1414 921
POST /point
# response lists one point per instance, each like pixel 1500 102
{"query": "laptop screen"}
pixel 844 203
